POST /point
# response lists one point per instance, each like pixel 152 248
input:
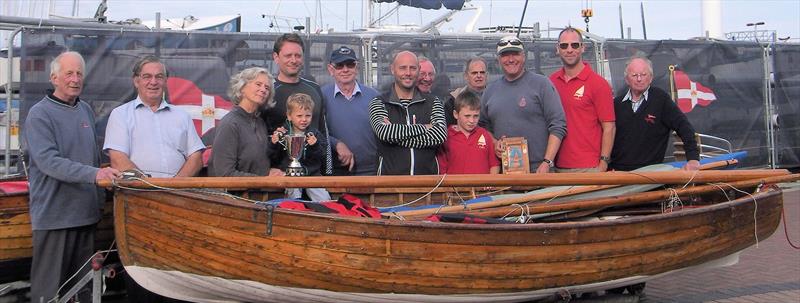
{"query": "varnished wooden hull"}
pixel 16 242
pixel 15 237
pixel 208 241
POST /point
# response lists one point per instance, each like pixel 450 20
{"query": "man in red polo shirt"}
pixel 469 148
pixel 588 106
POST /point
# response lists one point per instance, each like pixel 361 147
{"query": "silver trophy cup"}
pixel 295 144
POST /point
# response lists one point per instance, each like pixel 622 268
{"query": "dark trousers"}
pixel 57 255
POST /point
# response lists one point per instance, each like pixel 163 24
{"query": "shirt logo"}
pixel 650 119
pixel 522 102
pixel 481 142
pixel 579 93
pixel 84 124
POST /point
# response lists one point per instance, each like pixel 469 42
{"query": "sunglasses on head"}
pixel 575 45
pixel 349 64
pixel 513 42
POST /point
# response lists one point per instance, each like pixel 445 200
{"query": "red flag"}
pixel 691 93
pixel 205 110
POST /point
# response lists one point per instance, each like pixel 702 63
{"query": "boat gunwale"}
pixel 770 193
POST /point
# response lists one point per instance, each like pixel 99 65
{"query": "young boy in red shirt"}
pixel 469 148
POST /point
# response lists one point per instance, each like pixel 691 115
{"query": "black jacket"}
pixel 405 145
pixel 642 136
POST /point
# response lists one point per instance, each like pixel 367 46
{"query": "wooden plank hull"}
pixel 212 240
pixel 16 235
pixel 199 288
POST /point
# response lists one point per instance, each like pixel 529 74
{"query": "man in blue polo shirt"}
pixel 347 104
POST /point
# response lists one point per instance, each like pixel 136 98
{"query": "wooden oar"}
pixel 528 197
pixel 628 200
pixel 608 178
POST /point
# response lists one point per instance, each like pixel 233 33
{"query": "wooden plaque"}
pixel 515 156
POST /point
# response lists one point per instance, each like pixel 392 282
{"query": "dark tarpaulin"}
pixel 733 70
pixel 428 4
pixel 786 101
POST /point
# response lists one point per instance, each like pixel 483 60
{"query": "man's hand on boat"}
pixel 107 173
pixel 691 165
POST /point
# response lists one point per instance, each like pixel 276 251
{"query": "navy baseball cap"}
pixel 343 54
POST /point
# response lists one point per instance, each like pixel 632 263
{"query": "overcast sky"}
pixel 679 19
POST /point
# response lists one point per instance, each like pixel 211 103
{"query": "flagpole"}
pixel 672 82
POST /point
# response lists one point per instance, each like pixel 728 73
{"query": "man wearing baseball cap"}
pixel 347 104
pixel 523 104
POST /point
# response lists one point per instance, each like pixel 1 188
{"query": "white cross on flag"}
pixel 205 110
pixel 690 93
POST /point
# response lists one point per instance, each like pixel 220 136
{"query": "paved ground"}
pixel 767 273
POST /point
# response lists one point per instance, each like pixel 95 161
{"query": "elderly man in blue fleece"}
pixel 65 204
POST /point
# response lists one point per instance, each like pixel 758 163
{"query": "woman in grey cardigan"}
pixel 242 146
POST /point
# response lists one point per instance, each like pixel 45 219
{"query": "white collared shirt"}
pixel 157 142
pixel 635 104
pixel 337 91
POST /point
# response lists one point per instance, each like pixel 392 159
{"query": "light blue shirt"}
pixel 157 142
pixel 337 91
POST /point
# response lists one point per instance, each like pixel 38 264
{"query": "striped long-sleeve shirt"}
pixel 406 140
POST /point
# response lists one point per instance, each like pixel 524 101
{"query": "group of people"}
pixel 571 123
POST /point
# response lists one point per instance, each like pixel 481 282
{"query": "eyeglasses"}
pixel 636 76
pixel 514 42
pixel 575 45
pixel 148 77
pixel 349 64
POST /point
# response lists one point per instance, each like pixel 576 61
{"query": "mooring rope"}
pixel 195 190
pixel 786 230
pixel 674 200
pixel 55 299
pixel 755 209
pixel 420 198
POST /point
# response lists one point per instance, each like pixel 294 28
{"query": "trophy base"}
pixel 295 171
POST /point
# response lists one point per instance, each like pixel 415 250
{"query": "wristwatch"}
pixel 549 162
pixel 607 159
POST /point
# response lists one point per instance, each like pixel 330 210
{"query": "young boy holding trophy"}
pixel 304 153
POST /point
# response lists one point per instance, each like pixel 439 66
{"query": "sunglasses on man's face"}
pixel 349 64
pixel 575 45
pixel 513 42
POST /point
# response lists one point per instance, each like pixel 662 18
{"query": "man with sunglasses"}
pixel 475 76
pixel 523 104
pixel 588 105
pixel 347 104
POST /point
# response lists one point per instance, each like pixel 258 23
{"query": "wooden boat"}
pixel 15 230
pixel 211 248
pixel 16 243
